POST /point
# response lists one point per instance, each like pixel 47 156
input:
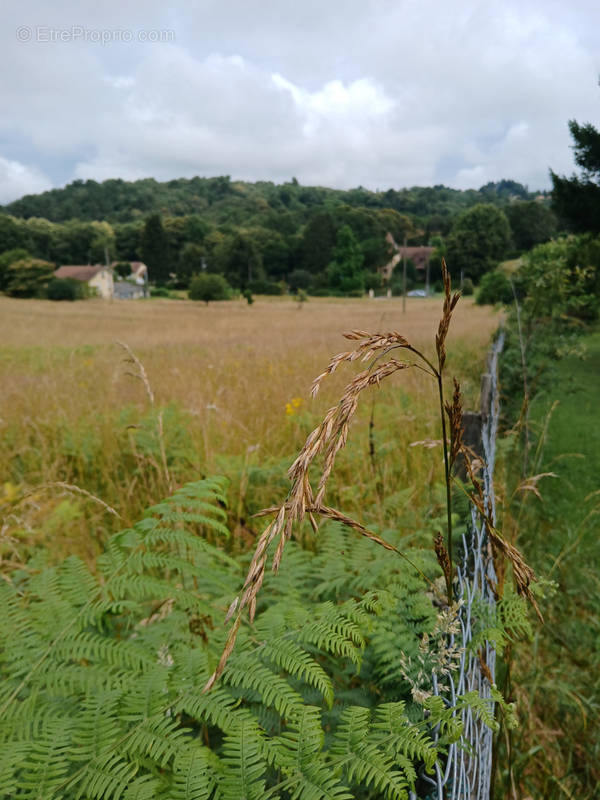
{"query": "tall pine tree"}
pixel 576 200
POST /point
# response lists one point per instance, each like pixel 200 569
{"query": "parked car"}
pixel 417 293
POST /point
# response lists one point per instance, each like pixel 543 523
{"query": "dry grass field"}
pixel 231 386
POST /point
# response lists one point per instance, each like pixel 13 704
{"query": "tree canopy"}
pixel 576 200
pixel 480 238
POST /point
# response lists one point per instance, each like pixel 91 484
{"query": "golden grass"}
pixel 239 375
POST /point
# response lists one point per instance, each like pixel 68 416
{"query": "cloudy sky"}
pixel 379 93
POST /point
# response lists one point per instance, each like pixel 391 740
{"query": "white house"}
pixel 98 277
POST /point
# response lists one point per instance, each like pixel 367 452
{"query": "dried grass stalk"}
pixel 328 438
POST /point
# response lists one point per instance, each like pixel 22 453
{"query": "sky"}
pixel 341 93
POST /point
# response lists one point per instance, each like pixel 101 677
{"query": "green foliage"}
pixel 102 673
pixel 531 223
pixel 28 277
pixel 576 200
pixel 265 287
pixel 238 259
pixel 6 259
pixel 494 288
pixel 64 289
pixel 467 288
pixel 562 279
pixel 479 240
pixel 345 273
pixel 218 200
pixel 192 260
pixel 299 279
pixel 209 287
pixel 123 269
pixel 557 510
pixel 155 250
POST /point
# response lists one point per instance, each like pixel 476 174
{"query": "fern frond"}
pixel 364 763
pixel 43 771
pixel 401 737
pixel 196 773
pixel 300 758
pixel 102 778
pixel 249 673
pixel 288 655
pixel 244 763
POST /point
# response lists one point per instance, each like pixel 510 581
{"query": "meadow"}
pixel 107 408
pixel 227 392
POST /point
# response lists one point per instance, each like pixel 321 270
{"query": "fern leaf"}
pixel 243 762
pixel 296 661
pixel 196 772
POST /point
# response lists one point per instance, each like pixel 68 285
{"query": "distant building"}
pixel 138 276
pixel 418 255
pixel 98 277
pixel 126 290
pixel 139 271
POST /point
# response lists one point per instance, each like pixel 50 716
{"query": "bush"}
pixel 7 258
pixel 467 287
pixel 160 291
pixel 494 288
pixel 562 278
pixel 299 279
pixel 64 289
pixel 28 277
pixel 209 286
pixel 373 281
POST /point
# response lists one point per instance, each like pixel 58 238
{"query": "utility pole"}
pixel 404 277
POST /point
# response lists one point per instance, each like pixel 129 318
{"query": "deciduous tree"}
pixel 479 240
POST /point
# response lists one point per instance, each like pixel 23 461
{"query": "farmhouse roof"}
pixel 79 273
pixel 418 255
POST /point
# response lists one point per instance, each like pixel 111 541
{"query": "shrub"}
pixel 160 291
pixel 299 279
pixel 209 286
pixel 467 287
pixel 561 278
pixel 494 288
pixel 28 277
pixel 64 289
pixel 6 259
pixel 373 281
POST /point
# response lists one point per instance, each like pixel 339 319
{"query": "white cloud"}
pixel 17 179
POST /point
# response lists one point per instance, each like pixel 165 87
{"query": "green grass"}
pixel 559 683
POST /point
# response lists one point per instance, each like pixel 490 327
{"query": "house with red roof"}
pixel 98 277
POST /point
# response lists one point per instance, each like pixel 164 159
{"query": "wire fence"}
pixel 466 773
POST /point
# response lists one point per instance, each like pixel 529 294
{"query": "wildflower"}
pixel 293 406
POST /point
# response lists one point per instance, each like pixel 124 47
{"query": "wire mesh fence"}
pixel 466 773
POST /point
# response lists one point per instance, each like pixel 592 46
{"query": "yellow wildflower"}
pixel 293 406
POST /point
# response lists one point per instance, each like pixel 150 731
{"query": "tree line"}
pixel 264 237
